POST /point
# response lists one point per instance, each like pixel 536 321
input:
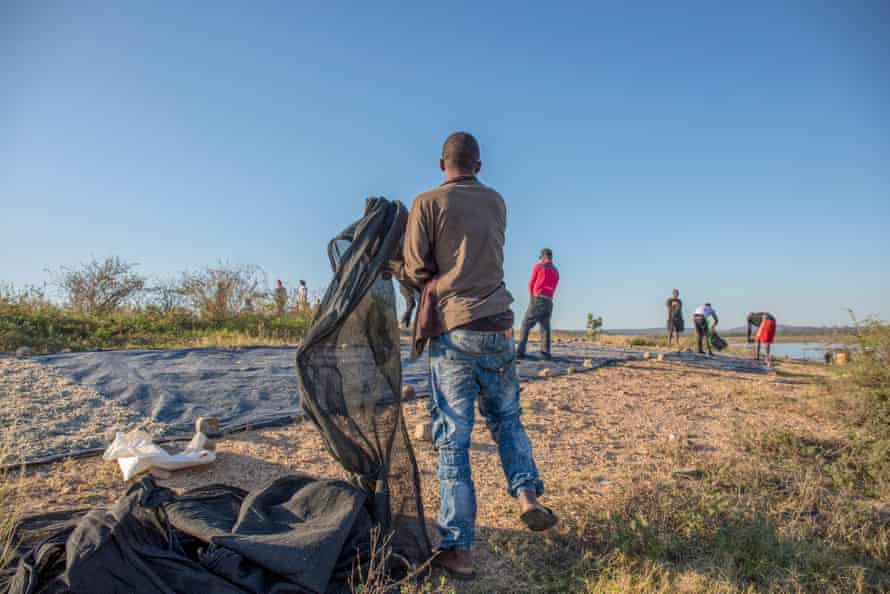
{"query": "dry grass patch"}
pixel 11 494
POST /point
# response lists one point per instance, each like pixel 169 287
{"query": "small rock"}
pixel 570 370
pixel 546 372
pixel 408 392
pixel 647 355
pixel 660 357
pixel 23 352
pixel 423 432
pixel 692 473
pixel 588 364
pixel 209 426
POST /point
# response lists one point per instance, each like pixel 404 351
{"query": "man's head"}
pixel 675 293
pixel 280 283
pixel 546 254
pixel 707 305
pixel 460 155
pixel 302 283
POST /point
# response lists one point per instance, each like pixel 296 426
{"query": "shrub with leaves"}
pixel 100 287
pixel 869 372
pixel 225 290
pixel 594 326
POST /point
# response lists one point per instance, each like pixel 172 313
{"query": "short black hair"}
pixel 461 151
pixel 547 253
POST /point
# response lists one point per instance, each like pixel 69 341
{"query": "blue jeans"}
pixel 465 364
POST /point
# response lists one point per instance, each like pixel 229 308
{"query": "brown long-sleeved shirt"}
pixel 456 233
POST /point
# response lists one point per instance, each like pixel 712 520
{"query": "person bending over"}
pixel 541 289
pixel 675 324
pixel 765 323
pixel 455 240
pixel 705 319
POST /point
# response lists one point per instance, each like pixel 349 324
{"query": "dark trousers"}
pixel 538 312
pixel 410 297
pixel 701 332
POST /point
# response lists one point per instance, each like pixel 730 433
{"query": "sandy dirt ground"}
pixel 591 433
pixel 61 414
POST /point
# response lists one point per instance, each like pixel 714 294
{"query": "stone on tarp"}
pixel 587 364
pixel 546 372
pixel 209 426
pixel 647 355
pixel 23 352
pixel 570 370
pixel 660 357
pixel 423 432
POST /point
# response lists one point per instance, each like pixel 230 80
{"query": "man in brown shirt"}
pixel 455 239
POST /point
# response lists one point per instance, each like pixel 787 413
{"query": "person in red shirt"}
pixel 541 288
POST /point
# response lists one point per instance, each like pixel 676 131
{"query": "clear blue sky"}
pixel 740 152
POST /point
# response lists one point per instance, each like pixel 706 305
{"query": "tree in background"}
pixel 100 288
pixel 164 296
pixel 225 290
pixel 594 326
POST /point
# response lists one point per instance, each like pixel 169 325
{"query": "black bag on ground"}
pixel 717 342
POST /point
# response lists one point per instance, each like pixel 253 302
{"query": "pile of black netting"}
pixel 296 534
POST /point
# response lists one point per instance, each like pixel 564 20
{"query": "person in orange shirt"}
pixel 765 323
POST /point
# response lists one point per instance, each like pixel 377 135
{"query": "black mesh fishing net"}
pixel 350 374
pixel 296 533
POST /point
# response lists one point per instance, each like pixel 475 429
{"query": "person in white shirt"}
pixel 302 296
pixel 704 326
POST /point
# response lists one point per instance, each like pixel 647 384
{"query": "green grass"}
pixel 50 329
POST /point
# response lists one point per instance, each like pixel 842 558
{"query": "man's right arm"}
pixel 420 266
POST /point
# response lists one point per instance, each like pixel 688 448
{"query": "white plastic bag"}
pixel 136 453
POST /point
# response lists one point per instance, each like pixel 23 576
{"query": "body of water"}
pixel 810 351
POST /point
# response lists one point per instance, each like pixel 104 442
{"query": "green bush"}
pixel 868 374
pixel 50 329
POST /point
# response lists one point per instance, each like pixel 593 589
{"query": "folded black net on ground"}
pixel 297 533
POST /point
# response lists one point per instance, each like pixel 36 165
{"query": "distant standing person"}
pixel 675 324
pixel 541 289
pixel 302 296
pixel 280 299
pixel 704 314
pixel 765 323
